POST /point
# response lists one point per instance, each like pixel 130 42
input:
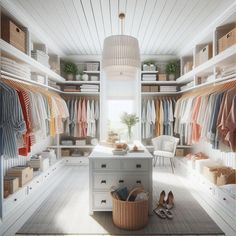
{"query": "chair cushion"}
pixel 168 146
pixel 163 154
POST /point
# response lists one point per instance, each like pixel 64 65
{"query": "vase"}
pixel 171 77
pixel 70 77
pixel 78 77
pixel 130 135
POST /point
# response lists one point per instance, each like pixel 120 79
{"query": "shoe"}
pixel 170 200
pixel 168 214
pixel 160 212
pixel 162 202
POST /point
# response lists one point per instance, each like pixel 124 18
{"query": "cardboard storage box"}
pixel 180 152
pixel 39 163
pixel 11 185
pixel 205 54
pixel 188 66
pixel 65 152
pixel 145 88
pixel 154 88
pixel 226 176
pixel 210 172
pixel 13 34
pixel 24 173
pixel 227 40
pixel 162 77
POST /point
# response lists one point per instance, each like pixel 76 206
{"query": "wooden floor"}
pixel 65 211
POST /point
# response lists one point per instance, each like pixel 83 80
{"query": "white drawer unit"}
pixel 131 170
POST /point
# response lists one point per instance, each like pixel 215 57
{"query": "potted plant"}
pixel 172 69
pixel 129 120
pixel 70 70
pixel 79 75
pixel 149 65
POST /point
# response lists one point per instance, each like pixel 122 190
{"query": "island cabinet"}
pixel 107 170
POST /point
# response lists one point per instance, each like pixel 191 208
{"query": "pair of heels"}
pixel 168 203
pixel 164 206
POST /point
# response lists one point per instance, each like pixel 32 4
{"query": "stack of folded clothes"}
pixel 89 88
pixel 15 68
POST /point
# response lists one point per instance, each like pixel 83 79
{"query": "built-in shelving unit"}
pixel 72 146
pixel 15 54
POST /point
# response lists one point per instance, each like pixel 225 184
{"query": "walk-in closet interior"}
pixel 118 117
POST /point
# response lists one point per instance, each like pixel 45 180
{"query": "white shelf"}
pixel 17 78
pixel 81 93
pixel 80 82
pixel 160 82
pixel 72 146
pixel 178 146
pixel 226 57
pixel 149 72
pixel 14 53
pixel 159 93
pixel 91 72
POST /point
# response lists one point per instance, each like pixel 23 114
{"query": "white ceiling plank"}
pixel 79 26
pixel 148 13
pixel 91 23
pixel 98 18
pixel 130 9
pixel 202 10
pixel 105 8
pixel 84 24
pixel 156 14
pixel 169 25
pixel 138 16
pixel 76 27
pixel 50 10
pixel 204 22
pixel 114 15
pixel 71 31
pixel 37 15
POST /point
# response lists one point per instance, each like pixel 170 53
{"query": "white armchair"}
pixel 164 147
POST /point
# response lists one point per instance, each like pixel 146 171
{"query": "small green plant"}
pixel 172 67
pixel 149 62
pixel 70 68
pixel 129 120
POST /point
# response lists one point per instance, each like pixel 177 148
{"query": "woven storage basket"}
pixel 130 215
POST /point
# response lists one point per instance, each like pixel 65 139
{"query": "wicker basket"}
pixel 130 215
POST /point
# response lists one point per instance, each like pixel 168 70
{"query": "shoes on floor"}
pixel 163 213
pixel 170 200
pixel 163 207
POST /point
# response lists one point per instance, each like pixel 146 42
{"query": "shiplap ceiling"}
pixel 161 26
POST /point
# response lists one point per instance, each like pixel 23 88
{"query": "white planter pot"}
pixel 171 77
pixel 70 77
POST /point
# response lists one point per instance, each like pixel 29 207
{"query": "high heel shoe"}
pixel 170 200
pixel 161 202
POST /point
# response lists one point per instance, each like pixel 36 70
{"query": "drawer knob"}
pixel 17 30
pixel 15 199
pixel 138 166
pixel 30 188
pixel 121 181
pixel 37 182
pixel 138 181
pixel 103 202
pixel 104 166
pixel 103 181
pixel 224 199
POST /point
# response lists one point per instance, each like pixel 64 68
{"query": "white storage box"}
pixel 199 164
pixel 50 154
pixel 92 66
pixel 81 142
pixel 39 163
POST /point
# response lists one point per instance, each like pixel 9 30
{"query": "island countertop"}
pixel 101 151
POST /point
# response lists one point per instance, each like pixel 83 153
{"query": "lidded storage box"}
pixel 24 173
pixel 13 34
pixel 11 185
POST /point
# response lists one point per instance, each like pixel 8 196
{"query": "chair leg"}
pixel 173 161
pixel 172 166
pixel 155 161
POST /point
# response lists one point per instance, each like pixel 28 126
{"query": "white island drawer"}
pixel 102 201
pixel 106 164
pixel 105 181
pixel 135 164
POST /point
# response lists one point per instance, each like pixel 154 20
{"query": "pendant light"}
pixel 121 53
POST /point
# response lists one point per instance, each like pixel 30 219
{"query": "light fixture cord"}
pixel 122 17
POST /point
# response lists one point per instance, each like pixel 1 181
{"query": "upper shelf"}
pixel 224 58
pixel 149 72
pixel 35 66
pixel 74 82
